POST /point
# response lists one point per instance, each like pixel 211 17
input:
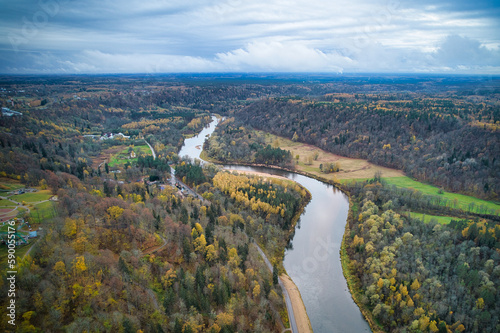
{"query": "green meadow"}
pixel 123 156
pixel 42 211
pixel 32 196
pixel 455 200
pixel 426 218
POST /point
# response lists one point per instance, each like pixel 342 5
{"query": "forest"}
pixel 125 252
pixel 423 144
pixel 233 142
pixel 417 277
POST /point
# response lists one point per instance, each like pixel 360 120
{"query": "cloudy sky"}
pixel 339 36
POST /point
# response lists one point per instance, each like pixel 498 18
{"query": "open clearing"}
pixel 350 168
pixel 32 197
pixel 119 155
pixel 358 169
pixel 106 155
pixel 463 202
pixel 7 185
pixel 6 203
pixel 42 211
pixel 426 218
pixel 124 155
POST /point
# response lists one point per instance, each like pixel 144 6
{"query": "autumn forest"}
pixel 122 246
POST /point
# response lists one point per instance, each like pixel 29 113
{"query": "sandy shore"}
pixel 299 310
pixel 256 173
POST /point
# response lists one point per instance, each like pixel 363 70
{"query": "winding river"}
pixel 313 259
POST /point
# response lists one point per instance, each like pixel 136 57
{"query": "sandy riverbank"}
pixel 299 310
pixel 256 173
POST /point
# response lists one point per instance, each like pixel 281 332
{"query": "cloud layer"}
pixel 64 36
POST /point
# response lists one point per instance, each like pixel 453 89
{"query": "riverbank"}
pixel 351 280
pixel 259 174
pixel 299 312
pixel 299 309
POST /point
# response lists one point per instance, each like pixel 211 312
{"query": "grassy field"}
pixel 461 201
pixel 123 156
pixel 6 203
pixel 32 197
pixel 350 168
pixel 439 219
pixel 7 184
pixel 42 211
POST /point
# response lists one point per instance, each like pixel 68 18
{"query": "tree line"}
pixel 454 143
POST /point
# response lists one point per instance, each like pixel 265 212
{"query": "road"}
pixel 187 188
pixel 158 248
pixel 152 150
pixel 289 307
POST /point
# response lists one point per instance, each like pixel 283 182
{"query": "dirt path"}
pixel 157 248
pixel 299 310
pixel 31 247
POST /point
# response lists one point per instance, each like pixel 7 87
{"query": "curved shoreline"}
pixel 344 258
pixel 299 313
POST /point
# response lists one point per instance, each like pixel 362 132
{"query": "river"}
pixel 313 257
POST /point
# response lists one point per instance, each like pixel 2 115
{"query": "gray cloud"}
pixel 235 35
pixel 462 51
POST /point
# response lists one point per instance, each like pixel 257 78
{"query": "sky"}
pixel 334 36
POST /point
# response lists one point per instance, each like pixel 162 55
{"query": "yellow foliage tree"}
pixel 79 264
pixel 256 290
pixel 26 325
pixel 60 268
pixel 403 290
pixel 415 285
pixel 200 244
pixel 234 258
pixel 423 323
pixel 211 253
pixel 224 319
pixel 169 278
pixel 480 303
pixel 433 326
pixel 115 212
pixel 215 328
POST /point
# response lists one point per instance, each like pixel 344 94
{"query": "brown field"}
pixel 350 168
pixel 7 214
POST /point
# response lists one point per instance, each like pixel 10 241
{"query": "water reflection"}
pixel 312 258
